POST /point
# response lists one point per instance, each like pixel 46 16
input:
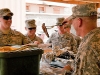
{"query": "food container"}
pixel 25 62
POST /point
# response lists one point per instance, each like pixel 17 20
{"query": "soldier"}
pixel 62 39
pixel 67 28
pixel 87 61
pixel 31 29
pixel 7 35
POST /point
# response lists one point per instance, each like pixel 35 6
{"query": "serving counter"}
pixel 25 62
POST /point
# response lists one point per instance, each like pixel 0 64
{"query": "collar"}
pixel 10 32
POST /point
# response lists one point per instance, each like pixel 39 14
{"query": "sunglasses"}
pixel 64 22
pixel 7 17
pixel 31 28
pixel 60 25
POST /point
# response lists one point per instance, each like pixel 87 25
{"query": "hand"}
pixel 36 42
pixel 68 68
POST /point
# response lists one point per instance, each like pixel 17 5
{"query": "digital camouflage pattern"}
pixel 83 10
pixel 87 61
pixel 77 38
pixel 62 41
pixel 59 21
pixel 36 38
pixel 5 11
pixel 30 23
pixel 13 38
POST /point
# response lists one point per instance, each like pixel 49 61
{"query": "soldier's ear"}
pixel 80 22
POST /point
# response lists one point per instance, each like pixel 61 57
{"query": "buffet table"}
pixel 48 66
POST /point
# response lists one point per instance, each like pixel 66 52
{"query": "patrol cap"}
pixel 83 10
pixel 59 21
pixel 30 23
pixel 5 11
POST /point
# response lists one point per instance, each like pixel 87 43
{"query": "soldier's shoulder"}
pixel 16 32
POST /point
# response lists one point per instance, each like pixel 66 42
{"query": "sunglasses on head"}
pixel 31 28
pixel 7 17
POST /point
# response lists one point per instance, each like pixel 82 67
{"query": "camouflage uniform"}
pixel 31 24
pixel 89 54
pixel 62 41
pixel 78 39
pixel 87 61
pixel 13 38
pixel 36 38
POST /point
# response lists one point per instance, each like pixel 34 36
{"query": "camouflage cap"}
pixel 30 23
pixel 59 21
pixel 5 11
pixel 84 10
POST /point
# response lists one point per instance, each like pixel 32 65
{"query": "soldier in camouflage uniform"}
pixel 7 35
pixel 31 29
pixel 87 61
pixel 67 28
pixel 62 39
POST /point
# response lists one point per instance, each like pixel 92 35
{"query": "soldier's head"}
pixel 5 18
pixel 60 24
pixel 67 25
pixel 31 26
pixel 84 18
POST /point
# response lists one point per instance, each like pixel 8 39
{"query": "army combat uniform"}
pixel 77 38
pixel 36 38
pixel 88 57
pixel 31 24
pixel 13 38
pixel 62 41
pixel 87 61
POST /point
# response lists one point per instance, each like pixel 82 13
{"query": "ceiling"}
pixel 77 1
